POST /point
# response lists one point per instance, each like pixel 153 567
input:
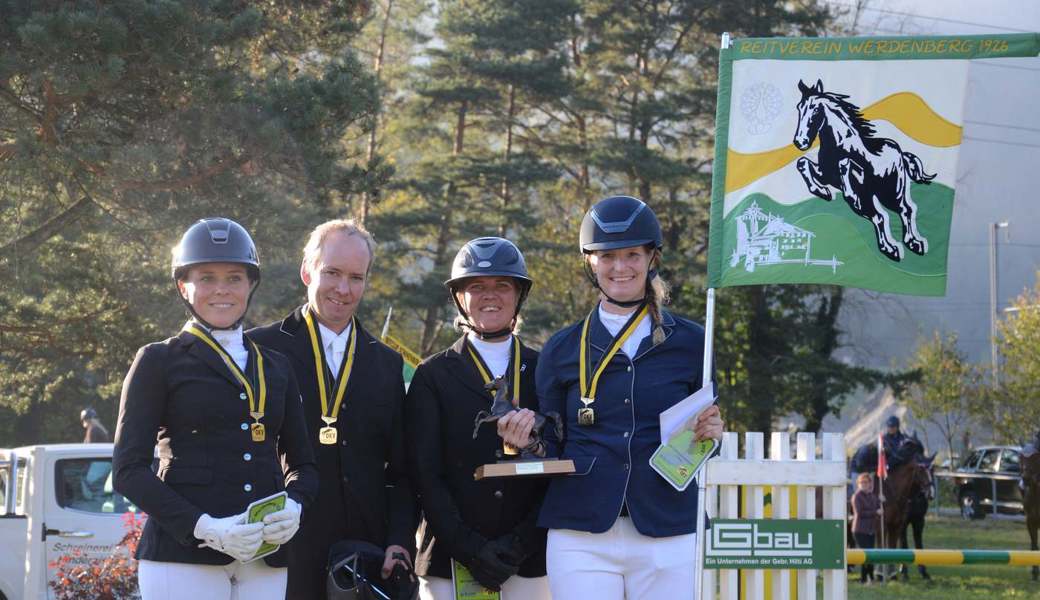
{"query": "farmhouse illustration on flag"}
pixel 836 159
pixel 764 239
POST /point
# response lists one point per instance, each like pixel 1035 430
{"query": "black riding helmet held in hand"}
pixel 489 257
pixel 619 222
pixel 355 573
pixel 216 240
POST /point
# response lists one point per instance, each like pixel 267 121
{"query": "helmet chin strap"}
pixel 487 335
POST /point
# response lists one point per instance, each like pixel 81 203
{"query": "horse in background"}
pixel 1031 497
pixel 909 471
pixel 921 494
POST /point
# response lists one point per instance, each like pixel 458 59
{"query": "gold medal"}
pixel 328 435
pixel 258 431
pixel 586 414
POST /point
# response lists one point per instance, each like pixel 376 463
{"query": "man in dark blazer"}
pixel 359 441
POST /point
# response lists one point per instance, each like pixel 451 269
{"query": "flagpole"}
pixel 709 327
pixel 706 380
pixel 386 323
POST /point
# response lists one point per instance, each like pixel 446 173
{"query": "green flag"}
pixel 836 159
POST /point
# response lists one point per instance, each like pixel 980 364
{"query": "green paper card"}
pixel 256 513
pixel 467 587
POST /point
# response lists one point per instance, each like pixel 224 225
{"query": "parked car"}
pixel 55 500
pixel 987 481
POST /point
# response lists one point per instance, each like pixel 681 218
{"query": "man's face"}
pixel 336 284
pixel 893 429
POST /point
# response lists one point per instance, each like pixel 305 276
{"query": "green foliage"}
pixel 946 387
pixel 435 122
pixel 1015 409
pixel 121 123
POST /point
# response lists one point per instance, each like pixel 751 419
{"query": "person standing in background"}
pixel 866 508
pixel 95 431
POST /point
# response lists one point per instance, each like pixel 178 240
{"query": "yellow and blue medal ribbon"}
pixel 587 413
pixel 257 402
pixel 328 434
pixel 486 375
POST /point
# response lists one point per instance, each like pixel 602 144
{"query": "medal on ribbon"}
pixel 329 435
pixel 258 401
pixel 586 416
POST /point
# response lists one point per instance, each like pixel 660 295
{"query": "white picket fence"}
pixel 754 472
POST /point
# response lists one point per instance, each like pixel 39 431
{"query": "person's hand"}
pixel 709 424
pixel 515 427
pixel 510 548
pixel 394 555
pixel 489 569
pixel 230 535
pixel 280 526
pixel 880 511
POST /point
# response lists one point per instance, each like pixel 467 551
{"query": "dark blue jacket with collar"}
pixel 612 456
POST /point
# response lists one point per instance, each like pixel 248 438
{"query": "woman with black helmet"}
pixel 617 529
pixel 223 415
pixel 486 526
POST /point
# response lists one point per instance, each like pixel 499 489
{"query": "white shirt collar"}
pixel 328 336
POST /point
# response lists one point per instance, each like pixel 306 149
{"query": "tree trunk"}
pixel 506 196
pixel 377 67
pixel 431 318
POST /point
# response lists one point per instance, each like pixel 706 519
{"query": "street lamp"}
pixel 993 227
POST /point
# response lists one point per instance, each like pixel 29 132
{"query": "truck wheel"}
pixel 970 506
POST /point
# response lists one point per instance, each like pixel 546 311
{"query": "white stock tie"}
pixel 339 348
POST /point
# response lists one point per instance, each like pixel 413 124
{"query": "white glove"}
pixel 230 535
pixel 280 526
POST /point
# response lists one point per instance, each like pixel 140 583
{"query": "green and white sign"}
pixel 775 544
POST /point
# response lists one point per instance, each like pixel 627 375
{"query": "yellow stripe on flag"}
pixel 906 110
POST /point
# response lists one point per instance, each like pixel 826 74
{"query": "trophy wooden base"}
pixel 525 468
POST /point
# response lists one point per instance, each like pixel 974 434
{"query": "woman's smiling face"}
pixel 218 292
pixel 621 272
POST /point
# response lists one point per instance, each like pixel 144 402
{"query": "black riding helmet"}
pixel 216 240
pixel 355 573
pixel 489 257
pixel 619 222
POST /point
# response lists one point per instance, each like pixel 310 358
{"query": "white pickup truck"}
pixel 56 499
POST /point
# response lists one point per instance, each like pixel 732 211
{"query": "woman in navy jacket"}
pixel 487 526
pixel 617 529
pixel 224 416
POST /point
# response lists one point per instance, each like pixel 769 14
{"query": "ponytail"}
pixel 657 294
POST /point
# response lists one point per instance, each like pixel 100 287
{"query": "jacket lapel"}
pixel 465 371
pixel 667 324
pixel 600 338
pixel 363 354
pixel 207 355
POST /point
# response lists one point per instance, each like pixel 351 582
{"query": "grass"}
pixel 986 582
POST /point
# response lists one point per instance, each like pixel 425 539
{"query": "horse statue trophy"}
pixel 1031 493
pixel 528 463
